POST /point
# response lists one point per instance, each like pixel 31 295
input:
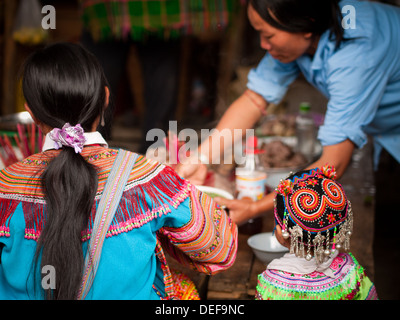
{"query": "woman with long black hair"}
pixel 51 202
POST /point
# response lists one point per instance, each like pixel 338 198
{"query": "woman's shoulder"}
pixel 365 45
pixel 144 171
pixel 23 177
pixel 151 191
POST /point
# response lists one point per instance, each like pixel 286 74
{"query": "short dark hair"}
pixel 315 16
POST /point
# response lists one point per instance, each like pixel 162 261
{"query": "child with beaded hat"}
pixel 314 220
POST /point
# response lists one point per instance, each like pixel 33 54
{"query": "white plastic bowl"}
pixel 215 191
pixel 266 247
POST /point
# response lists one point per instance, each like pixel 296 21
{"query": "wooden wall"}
pixel 68 28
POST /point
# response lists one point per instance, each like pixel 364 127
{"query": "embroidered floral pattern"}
pixel 331 218
pixel 36 162
pixel 103 155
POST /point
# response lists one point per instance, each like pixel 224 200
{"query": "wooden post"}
pixel 184 83
pixel 229 60
pixel 9 72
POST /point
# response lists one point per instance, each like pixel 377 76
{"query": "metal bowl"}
pixel 9 122
pixel 275 175
pixel 265 247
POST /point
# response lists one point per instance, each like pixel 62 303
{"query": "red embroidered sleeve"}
pixel 208 242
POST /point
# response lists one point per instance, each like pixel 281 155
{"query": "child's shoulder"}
pixel 344 267
pixel 278 284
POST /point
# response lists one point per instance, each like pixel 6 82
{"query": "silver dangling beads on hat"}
pixel 327 252
pixel 285 234
pixel 309 256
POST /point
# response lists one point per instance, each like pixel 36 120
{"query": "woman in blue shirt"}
pixel 352 58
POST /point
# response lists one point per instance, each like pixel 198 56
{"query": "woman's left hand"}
pixel 239 210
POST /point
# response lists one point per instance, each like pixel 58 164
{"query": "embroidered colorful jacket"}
pixel 349 283
pixel 158 211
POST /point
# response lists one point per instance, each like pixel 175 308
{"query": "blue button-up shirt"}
pixel 361 79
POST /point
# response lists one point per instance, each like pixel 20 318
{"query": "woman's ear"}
pixel 107 96
pixel 106 103
pixel 44 128
pixel 30 112
pixel 308 35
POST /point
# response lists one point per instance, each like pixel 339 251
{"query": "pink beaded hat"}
pixel 313 210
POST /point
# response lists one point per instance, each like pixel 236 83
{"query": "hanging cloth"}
pixel 109 202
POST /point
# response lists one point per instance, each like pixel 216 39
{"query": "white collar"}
pixel 91 138
pixel 290 263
